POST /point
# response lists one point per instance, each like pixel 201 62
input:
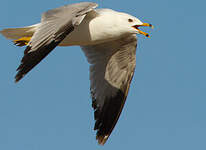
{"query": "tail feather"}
pixel 16 33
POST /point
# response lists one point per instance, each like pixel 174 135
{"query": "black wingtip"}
pixel 107 118
pixel 102 139
pixel 20 74
pixel 18 77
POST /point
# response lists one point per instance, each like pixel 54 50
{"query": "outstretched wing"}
pixel 55 25
pixel 111 71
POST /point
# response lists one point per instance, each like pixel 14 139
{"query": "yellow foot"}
pixel 22 41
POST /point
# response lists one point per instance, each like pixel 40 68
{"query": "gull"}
pixel 108 40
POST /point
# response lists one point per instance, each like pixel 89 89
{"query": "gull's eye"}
pixel 130 20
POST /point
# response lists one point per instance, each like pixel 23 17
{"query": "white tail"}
pixel 16 33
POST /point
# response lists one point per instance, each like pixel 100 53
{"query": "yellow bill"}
pixel 143 25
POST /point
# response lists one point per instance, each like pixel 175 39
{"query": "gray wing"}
pixel 55 25
pixel 111 71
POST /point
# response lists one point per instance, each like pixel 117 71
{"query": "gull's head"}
pixel 132 24
pixel 110 24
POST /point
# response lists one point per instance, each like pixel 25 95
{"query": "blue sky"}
pixel 165 109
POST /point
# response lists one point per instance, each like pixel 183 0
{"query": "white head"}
pixel 131 24
pixel 110 24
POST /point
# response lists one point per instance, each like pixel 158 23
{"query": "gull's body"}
pixel 108 39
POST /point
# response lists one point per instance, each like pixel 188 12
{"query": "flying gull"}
pixel 108 40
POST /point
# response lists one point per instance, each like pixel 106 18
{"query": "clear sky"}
pixel 50 109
